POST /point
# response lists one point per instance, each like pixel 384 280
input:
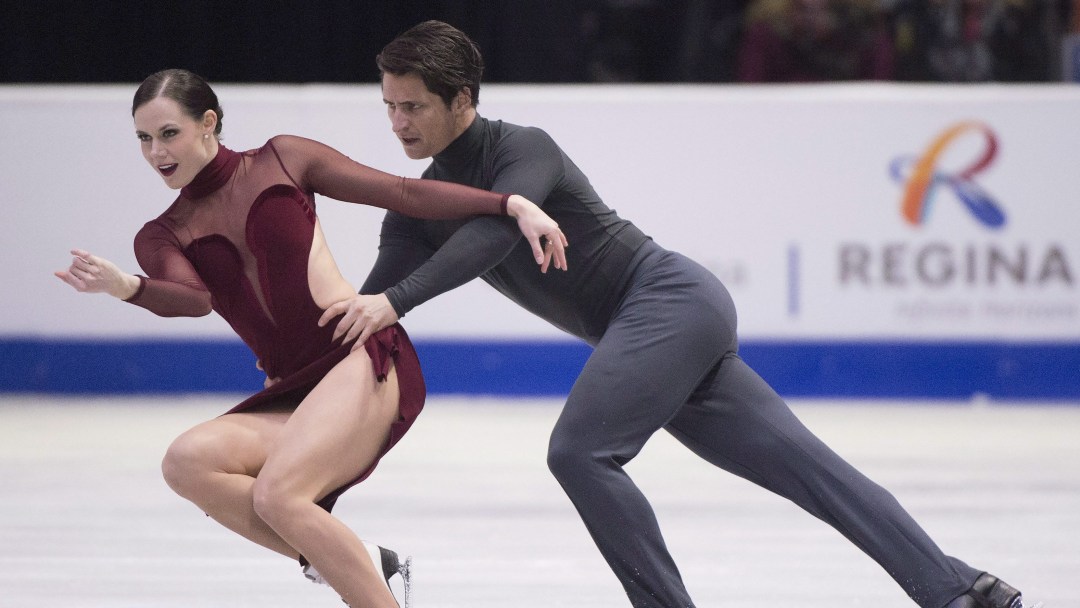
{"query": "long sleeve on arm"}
pixel 171 288
pixel 401 251
pixel 322 169
pixel 473 250
pixel 527 162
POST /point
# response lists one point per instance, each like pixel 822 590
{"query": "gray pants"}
pixel 668 360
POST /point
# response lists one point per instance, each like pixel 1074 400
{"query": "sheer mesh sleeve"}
pixel 171 288
pixel 316 167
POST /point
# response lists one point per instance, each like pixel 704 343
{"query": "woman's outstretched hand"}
pixel 89 273
pixel 536 225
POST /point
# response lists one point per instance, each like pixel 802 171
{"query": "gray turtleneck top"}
pixel 420 259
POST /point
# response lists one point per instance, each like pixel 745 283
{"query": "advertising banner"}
pixel 852 223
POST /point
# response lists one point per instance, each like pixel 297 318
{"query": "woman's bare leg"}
pixel 214 465
pixel 335 434
pixel 339 431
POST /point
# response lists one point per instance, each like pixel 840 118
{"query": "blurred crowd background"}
pixel 549 41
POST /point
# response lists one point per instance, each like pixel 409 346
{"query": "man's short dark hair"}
pixel 444 57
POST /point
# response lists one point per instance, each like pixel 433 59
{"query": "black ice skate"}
pixel 397 573
pixel 991 592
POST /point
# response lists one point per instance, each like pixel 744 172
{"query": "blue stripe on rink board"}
pixel 805 369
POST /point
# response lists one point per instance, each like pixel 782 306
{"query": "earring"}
pixel 206 136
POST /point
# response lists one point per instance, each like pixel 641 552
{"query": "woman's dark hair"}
pixel 443 56
pixel 187 89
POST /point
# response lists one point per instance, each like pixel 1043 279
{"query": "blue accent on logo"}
pixel 977 200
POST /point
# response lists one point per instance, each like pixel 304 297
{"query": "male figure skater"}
pixel 662 328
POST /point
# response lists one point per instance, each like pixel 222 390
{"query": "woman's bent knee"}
pixel 191 459
pixel 275 504
pixel 181 464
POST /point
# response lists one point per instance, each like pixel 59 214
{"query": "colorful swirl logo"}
pixel 923 178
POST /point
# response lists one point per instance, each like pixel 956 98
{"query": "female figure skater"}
pixel 243 239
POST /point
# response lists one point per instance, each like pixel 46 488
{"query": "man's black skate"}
pixel 990 592
pixel 397 573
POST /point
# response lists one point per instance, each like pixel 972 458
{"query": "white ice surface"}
pixel 86 520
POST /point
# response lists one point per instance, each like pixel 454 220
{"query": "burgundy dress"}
pixel 237 241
